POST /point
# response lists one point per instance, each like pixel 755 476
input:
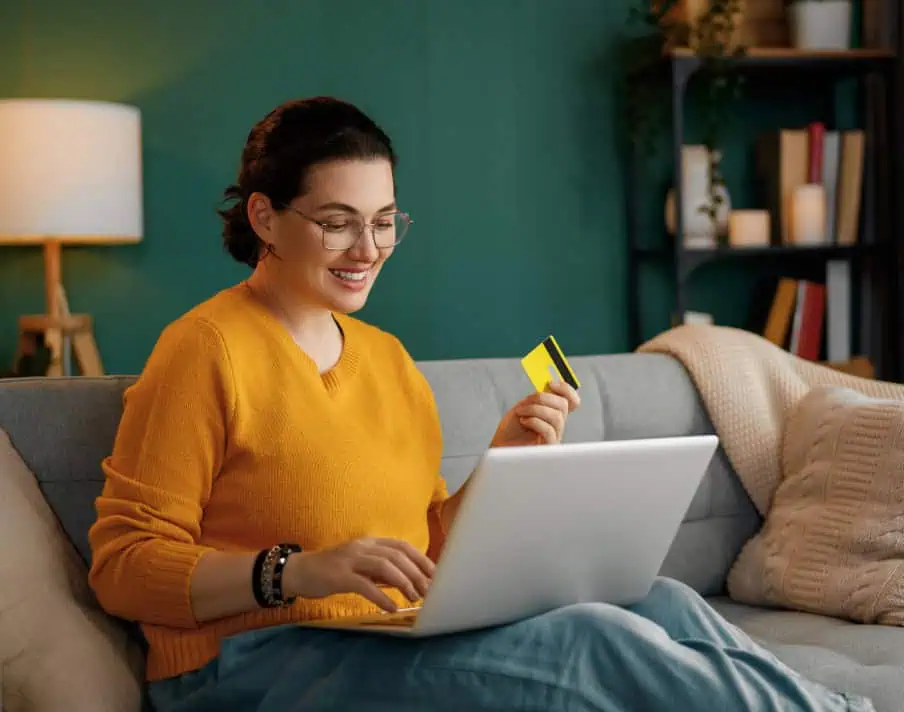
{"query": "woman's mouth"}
pixel 351 279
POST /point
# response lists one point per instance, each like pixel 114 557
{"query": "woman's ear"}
pixel 261 215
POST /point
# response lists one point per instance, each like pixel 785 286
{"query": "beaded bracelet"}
pixel 267 575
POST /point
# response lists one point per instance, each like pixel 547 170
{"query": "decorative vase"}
pixel 700 230
pixel 820 24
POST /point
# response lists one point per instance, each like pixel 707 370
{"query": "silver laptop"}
pixel 547 526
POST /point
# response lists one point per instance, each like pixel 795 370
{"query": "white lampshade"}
pixel 70 171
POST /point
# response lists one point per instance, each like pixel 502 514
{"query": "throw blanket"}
pixel 749 387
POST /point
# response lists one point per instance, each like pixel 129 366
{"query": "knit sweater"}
pixel 231 439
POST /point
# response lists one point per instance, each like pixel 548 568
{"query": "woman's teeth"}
pixel 349 276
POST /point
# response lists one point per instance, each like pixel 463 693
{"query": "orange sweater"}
pixel 232 440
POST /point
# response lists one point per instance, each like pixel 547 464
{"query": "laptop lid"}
pixel 546 526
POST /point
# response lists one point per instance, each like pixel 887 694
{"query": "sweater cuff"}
pixel 168 583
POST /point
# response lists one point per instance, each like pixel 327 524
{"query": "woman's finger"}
pixel 423 562
pixel 553 416
pixel 546 432
pixel 408 568
pixel 382 570
pixel 560 388
pixel 369 590
pixel 550 400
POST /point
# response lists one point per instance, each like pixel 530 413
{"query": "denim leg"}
pixel 582 658
pixel 685 615
pixel 688 618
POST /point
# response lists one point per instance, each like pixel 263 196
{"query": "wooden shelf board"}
pixel 792 53
pixel 727 251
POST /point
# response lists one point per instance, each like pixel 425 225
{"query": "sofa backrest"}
pixel 63 427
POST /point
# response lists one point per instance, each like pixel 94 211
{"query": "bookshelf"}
pixel 871 260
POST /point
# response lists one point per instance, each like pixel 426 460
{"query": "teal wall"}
pixel 504 113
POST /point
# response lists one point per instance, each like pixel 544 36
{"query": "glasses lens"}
pixel 388 231
pixel 341 234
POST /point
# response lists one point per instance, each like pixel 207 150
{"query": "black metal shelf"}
pixel 878 227
pixel 707 254
pixel 852 60
pixel 682 62
pixel 688 259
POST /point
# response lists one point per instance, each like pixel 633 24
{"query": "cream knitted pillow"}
pixel 833 541
pixel 58 649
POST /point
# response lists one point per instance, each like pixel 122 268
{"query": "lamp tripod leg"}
pixel 53 337
pixel 82 342
pixel 61 342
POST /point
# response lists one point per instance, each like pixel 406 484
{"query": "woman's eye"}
pixel 335 226
pixel 384 224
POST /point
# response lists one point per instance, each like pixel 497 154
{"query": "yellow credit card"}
pixel 547 363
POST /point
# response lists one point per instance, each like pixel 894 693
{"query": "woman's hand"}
pixel 361 566
pixel 539 418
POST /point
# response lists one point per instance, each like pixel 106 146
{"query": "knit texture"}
pixel 815 551
pixel 232 440
pixel 832 542
pixel 749 386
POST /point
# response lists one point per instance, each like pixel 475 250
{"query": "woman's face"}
pixel 343 196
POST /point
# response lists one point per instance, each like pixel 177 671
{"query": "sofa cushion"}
pixel 854 658
pixel 63 428
pixel 831 543
pixel 58 650
pixel 623 396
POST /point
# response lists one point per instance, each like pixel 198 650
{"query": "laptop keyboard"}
pixel 402 621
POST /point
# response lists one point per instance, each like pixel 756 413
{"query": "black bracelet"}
pixel 282 556
pixel 256 578
pixel 267 574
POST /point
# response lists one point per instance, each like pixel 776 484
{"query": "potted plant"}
pixel 819 24
pixel 32 362
pixel 712 33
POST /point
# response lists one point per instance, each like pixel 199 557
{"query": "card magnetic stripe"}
pixel 559 362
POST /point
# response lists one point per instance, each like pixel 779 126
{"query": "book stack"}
pixel 810 319
pixel 790 158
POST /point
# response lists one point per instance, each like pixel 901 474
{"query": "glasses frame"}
pixel 364 225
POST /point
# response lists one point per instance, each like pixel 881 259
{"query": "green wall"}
pixel 504 113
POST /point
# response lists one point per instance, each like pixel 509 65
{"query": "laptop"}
pixel 542 527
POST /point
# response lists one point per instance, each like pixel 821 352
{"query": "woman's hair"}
pixel 279 153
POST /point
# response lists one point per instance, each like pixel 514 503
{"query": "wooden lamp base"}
pixel 59 334
pixel 58 330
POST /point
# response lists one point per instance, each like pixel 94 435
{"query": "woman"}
pixel 278 460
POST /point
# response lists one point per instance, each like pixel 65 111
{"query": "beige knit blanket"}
pixel 749 386
pixel 821 454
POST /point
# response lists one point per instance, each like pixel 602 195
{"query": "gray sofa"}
pixel 63 427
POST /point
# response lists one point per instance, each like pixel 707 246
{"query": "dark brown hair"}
pixel 281 149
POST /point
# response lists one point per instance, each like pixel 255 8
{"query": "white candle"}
pixel 808 215
pixel 748 228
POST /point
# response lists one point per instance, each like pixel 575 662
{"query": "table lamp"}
pixel 70 173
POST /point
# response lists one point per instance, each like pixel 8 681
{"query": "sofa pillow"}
pixel 832 542
pixel 58 650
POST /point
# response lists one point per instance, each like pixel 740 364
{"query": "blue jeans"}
pixel 670 651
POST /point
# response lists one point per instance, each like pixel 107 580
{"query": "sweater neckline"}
pixel 339 373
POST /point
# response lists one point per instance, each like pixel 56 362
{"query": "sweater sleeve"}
pixel 168 449
pixel 435 519
pixel 434 437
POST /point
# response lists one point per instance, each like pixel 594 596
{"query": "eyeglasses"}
pixel 343 233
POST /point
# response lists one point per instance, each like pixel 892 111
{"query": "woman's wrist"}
pixel 295 576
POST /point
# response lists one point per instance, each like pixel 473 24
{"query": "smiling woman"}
pixel 314 252
pixel 278 461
